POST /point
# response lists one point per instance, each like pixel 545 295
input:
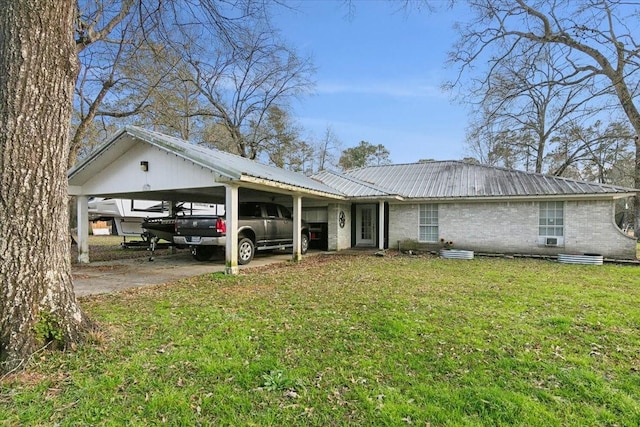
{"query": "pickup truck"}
pixel 261 226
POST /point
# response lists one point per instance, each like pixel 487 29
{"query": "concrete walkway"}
pixel 113 276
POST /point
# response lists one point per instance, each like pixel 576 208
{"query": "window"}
pixel 249 209
pixel 428 223
pixel 285 212
pixel 551 219
pixel 272 210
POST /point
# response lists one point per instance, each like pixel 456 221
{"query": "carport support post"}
pixel 172 213
pixel 82 205
pixel 231 215
pixel 297 227
pixel 381 225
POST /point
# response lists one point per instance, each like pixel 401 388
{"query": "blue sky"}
pixel 378 77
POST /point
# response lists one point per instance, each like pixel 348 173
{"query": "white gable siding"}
pixel 512 227
pixel 166 171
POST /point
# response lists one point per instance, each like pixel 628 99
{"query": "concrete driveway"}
pixel 113 276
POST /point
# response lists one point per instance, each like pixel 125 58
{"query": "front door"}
pixel 365 225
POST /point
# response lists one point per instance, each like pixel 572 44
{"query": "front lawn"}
pixel 353 340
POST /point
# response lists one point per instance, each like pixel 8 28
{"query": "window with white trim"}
pixel 428 223
pixel 551 219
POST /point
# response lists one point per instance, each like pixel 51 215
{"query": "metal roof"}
pixel 425 180
pixel 354 187
pixel 229 166
pixel 455 179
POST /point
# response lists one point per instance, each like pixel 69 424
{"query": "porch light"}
pixel 144 166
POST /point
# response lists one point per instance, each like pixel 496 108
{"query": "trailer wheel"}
pixel 203 253
pixel 245 251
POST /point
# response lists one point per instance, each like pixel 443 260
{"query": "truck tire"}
pixel 246 251
pixel 304 244
pixel 203 253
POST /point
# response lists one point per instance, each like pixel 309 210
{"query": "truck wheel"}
pixel 203 253
pixel 304 244
pixel 245 251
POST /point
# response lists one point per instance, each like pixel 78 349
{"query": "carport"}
pixel 140 164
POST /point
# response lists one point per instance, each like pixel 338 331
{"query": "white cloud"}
pixel 412 89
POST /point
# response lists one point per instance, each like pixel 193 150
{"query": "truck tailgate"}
pixel 202 226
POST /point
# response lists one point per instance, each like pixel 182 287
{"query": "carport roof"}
pixel 229 167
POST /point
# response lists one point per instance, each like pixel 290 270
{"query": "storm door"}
pixel 366 225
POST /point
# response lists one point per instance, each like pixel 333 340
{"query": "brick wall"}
pixel 339 238
pixel 512 227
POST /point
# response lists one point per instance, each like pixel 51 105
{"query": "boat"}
pixel 139 218
pixel 162 228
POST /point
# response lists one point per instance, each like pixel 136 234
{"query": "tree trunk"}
pixel 38 68
pixel 636 184
pixel 626 101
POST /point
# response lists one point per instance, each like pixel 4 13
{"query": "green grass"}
pixel 353 340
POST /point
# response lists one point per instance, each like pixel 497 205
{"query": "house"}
pixel 477 207
pixel 481 208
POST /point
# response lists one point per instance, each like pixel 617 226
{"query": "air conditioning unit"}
pixel 551 241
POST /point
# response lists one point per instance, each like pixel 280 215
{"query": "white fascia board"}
pixel 288 187
pixel 529 198
pixel 389 198
pixel 75 190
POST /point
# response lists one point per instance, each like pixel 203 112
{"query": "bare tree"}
pixel 513 149
pixel 593 36
pixel 523 98
pixel 38 69
pixel 100 60
pixel 328 148
pixel 174 104
pixel 593 152
pixel 141 73
pixel 242 76
pixel 209 71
